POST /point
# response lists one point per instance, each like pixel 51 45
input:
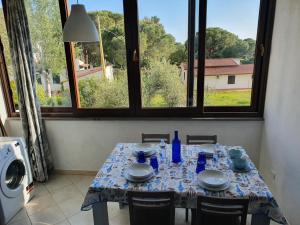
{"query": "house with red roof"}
pixel 222 74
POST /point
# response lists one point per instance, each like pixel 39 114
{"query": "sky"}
pixel 239 17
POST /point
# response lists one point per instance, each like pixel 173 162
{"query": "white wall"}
pixel 84 145
pixel 280 149
pixel 221 82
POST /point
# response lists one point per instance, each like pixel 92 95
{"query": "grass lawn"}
pixel 228 98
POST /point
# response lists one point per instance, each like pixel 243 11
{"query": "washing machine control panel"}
pixel 6 151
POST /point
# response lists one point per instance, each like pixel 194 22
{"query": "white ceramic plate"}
pixel 213 178
pixel 135 180
pixel 147 148
pixel 139 170
pixel 208 148
pixel 222 188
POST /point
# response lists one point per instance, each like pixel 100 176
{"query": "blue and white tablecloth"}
pixel 110 184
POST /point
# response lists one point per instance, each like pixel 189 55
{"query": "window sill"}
pixel 229 119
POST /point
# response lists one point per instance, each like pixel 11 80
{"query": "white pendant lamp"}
pixel 79 27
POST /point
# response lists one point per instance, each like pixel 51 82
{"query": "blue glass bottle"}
pixel 176 149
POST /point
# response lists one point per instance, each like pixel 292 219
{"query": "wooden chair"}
pixel 155 138
pixel 151 138
pixel 151 208
pixel 198 140
pixel 201 139
pixel 216 211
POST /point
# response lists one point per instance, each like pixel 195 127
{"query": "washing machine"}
pixel 16 182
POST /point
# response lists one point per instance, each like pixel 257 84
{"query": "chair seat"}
pixel 216 220
pixel 213 220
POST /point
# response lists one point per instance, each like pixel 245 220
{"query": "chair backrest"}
pixel 155 138
pixel 149 208
pixel 219 209
pixel 201 139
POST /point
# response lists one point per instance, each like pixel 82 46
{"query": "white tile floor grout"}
pixel 58 202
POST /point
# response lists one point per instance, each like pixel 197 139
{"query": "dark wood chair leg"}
pixel 186 215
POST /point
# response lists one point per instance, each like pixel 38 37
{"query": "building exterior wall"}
pixel 221 82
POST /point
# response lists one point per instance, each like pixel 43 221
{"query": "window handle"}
pixel 135 57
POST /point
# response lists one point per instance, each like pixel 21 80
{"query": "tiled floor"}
pixel 58 202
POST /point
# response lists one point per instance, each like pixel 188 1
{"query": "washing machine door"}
pixel 12 175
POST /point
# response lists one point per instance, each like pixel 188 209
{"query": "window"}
pixel 230 49
pixel 101 68
pixel 162 51
pixel 231 79
pixel 48 52
pixel 196 58
pixel 6 69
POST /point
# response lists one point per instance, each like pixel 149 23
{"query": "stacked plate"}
pixel 139 172
pixel 147 148
pixel 209 149
pixel 213 180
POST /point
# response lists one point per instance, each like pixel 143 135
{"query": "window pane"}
pixel 163 51
pixel 230 49
pixel 103 81
pixel 49 53
pixel 4 39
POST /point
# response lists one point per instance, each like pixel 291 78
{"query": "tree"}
pixel 102 93
pixel 238 50
pixel 217 40
pixel 46 35
pixel 221 43
pixel 180 55
pixel 4 40
pixel 162 79
pixel 113 38
pixel 159 44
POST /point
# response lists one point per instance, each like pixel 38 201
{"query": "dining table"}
pixel 110 184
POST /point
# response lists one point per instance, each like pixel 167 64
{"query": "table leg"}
pixel 100 213
pixel 260 219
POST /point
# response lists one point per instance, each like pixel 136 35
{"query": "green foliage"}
pixel 13 87
pixel 102 93
pixel 221 43
pixel 158 101
pixel 113 38
pixel 162 78
pixel 180 55
pixel 46 34
pixel 227 98
pixel 158 44
pixel 40 92
pixel 159 61
pixel 217 40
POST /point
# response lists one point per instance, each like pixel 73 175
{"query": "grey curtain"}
pixel 22 58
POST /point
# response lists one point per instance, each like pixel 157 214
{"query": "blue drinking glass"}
pixel 154 162
pixel 141 157
pixel 200 166
pixel 202 157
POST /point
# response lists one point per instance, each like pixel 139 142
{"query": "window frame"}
pixel 131 23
